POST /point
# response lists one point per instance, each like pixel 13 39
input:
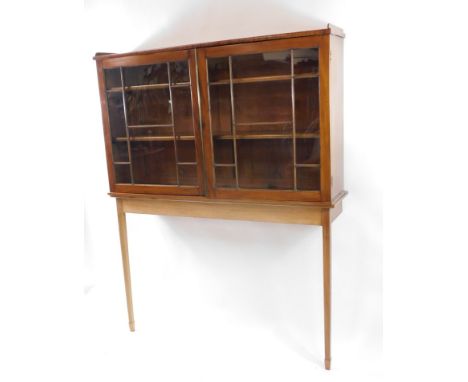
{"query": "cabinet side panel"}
pixel 336 114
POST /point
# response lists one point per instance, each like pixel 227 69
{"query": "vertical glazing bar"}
pixel 293 102
pixel 233 121
pixel 124 102
pixel 210 120
pixel 172 122
pixel 205 180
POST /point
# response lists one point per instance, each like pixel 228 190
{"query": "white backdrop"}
pixel 210 307
pixel 220 300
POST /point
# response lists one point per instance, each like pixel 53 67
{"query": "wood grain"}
pixel 325 176
pixel 229 211
pixel 336 115
pixel 126 263
pixel 201 198
pixel 326 233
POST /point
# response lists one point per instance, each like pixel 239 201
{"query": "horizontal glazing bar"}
pixel 149 87
pixel 186 163
pixel 180 85
pixel 147 126
pixel 265 79
pixel 121 162
pixel 307 165
pixel 266 136
pixel 156 138
pixel 264 123
pixel 225 165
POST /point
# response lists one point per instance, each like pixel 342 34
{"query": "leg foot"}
pixel 327 364
pixel 132 326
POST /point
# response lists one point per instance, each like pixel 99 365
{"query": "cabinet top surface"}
pixel 330 30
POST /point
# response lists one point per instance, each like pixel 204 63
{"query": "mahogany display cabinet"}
pixel 248 129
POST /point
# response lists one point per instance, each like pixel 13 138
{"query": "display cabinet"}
pixel 248 129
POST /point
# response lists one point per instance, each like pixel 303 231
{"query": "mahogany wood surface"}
pixel 326 233
pixel 251 185
pixel 225 210
pixel 336 114
pixel 125 262
pixel 242 149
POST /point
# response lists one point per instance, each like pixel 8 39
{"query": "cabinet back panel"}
pixel 153 163
pixel 263 102
pixel 220 107
pixel 265 164
pixel 148 107
pixel 183 116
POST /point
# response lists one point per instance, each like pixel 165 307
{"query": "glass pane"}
pixel 308 178
pixel 153 162
pixel 225 177
pixel 187 175
pixel 151 131
pixel 308 151
pixel 153 115
pixel 220 107
pixel 223 151
pixel 146 75
pixel 186 151
pixel 263 102
pixel 218 69
pixel 182 104
pixel 305 60
pixel 261 64
pixel 120 151
pixel 179 72
pixel 116 114
pixel 263 116
pixel 112 78
pixel 265 163
pixel 122 173
pixel 307 105
pixel 148 107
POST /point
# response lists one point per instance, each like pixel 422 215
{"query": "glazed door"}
pixel 262 118
pixel 152 132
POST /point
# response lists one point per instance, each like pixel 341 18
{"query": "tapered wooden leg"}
pixel 126 263
pixel 326 223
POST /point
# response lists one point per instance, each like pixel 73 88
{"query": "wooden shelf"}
pixel 264 79
pixel 312 165
pixel 264 123
pixel 156 138
pixel 148 87
pixel 219 137
pixel 265 136
pixel 149 126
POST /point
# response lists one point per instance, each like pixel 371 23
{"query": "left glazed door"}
pixel 151 123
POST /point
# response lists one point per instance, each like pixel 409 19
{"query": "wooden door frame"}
pixel 323 43
pixel 148 59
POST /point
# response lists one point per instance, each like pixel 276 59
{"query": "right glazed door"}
pixel 262 119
